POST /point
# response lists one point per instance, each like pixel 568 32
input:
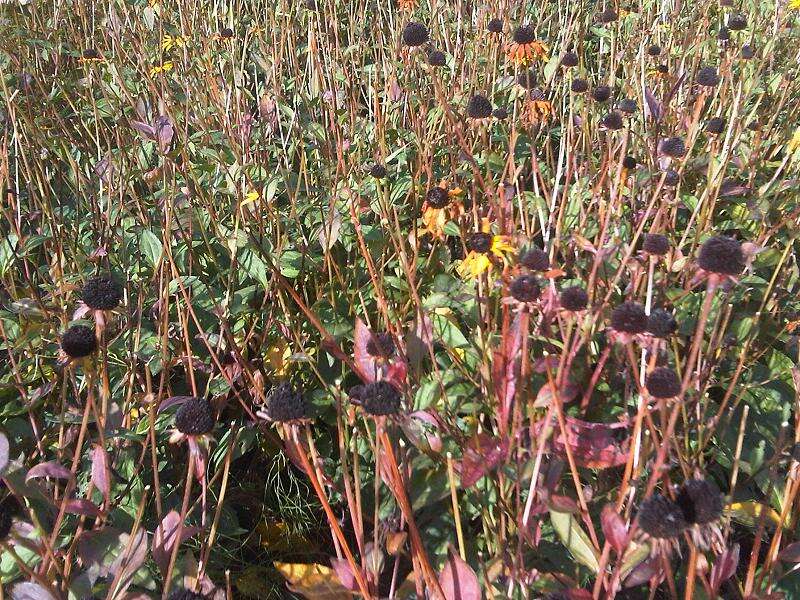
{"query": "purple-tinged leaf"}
pixel 652 107
pixel 30 591
pixel 4 452
pixel 345 574
pixel 48 469
pixel 81 506
pixel 165 536
pixel 614 528
pixel 164 132
pixel 144 128
pixel 790 553
pixel 483 453
pixel 172 401
pixel 101 472
pixel 642 573
pixel 366 366
pixel 458 580
pixel 132 556
pixel 724 567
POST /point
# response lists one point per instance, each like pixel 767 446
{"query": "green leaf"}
pixel 574 538
pixel 151 246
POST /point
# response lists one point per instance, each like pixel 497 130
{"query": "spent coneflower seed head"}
pixel 721 254
pixel 437 58
pixel 479 107
pixel 195 417
pixel 285 404
pixel 525 288
pixel 101 293
pixel 707 77
pixel 609 15
pixel 500 113
pixel 525 34
pixel 437 197
pixel 629 162
pixel 379 398
pixel 570 59
pixel 654 50
pixel 661 323
pixel 628 106
pixel 495 26
pixel 737 22
pixel 535 259
pixel 748 52
pixel 579 86
pixel 378 171
pixel 573 298
pixel 656 244
pixel 715 125
pixel 661 518
pixel 663 382
pixel 601 93
pixel 479 241
pixel 700 500
pixel 415 34
pixel 629 317
pixel 78 341
pixel 671 178
pixel 612 120
pixel 673 147
pixel 724 34
pixel 527 79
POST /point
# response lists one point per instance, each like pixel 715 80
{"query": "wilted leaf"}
pixel 652 107
pixel 614 528
pixel 315 582
pixel 101 471
pixel 575 539
pixel 458 580
pixel 48 469
pixel 790 553
pixel 482 454
pixel 329 232
pixel 593 445
pixel 132 555
pixel 165 536
pixel 724 567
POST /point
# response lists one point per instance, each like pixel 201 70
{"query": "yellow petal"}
pixel 315 582
pixel 750 512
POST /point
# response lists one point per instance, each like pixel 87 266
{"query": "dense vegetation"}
pixel 408 299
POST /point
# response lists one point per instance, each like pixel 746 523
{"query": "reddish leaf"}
pixel 724 567
pixel 652 107
pixel 642 573
pixel 593 445
pixel 366 366
pixel 133 555
pixel 483 454
pixel 458 580
pixel 567 393
pixel 48 469
pixel 422 429
pixel 791 553
pixel 563 504
pixel 30 591
pixel 147 130
pixel 165 536
pixel 4 451
pixel 172 401
pixel 505 363
pixel 614 528
pixel 81 506
pixel 100 472
pixel 345 574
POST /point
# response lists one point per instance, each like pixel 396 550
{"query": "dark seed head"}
pixel 609 15
pixel 525 288
pixel 661 518
pixel 479 107
pixel 613 120
pixel 737 22
pixel 378 171
pixel 707 76
pixel 379 398
pixel 415 34
pixel 573 298
pixel 285 404
pixel 437 58
pixel 601 93
pixel 715 125
pixel 226 33
pixel 579 86
pixel 524 35
pixel 570 59
pixel 654 50
pixel 195 417
pixel 535 259
pixel 629 162
pixel 671 177
pixel 527 79
pixel 661 323
pixel 662 68
pixel 724 34
pixel 381 345
pixel 479 242
pixel 438 197
pixel 655 243
pixel 91 54
pixel 700 500
pixel 721 254
pixel 673 146
pixel 629 317
pixel 663 382
pixel 628 106
pixel 101 293
pixel 495 26
pixel 748 52
pixel 78 341
pixel 184 594
pixel 500 113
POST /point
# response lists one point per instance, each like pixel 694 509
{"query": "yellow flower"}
pixel 251 196
pixel 794 4
pixel 794 143
pixel 169 42
pixel 484 250
pixel 162 68
pixel 523 54
pixel 440 206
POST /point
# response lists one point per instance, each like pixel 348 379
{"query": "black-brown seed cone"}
pixel 91 54
pixel 707 77
pixel 495 26
pixel 525 288
pixel 656 244
pixel 721 254
pixel 6 518
pixel 285 404
pixel 527 79
pixel 379 399
pixel 378 171
pixel 479 242
pixel 661 518
pixel 629 317
pixel 661 323
pixel 673 146
pixel 629 162
pixel 437 197
pixel 601 93
pixel 78 341
pixel 570 59
pixel 700 500
pixel 573 298
pixel 415 34
pixel 184 594
pixel 479 107
pixel 737 22
pixel 437 58
pixel 524 35
pixel 663 382
pixel 101 293
pixel 579 86
pixel 628 106
pixel 500 113
pixel 654 50
pixel 381 345
pixel 715 125
pixel 535 259
pixel 613 120
pixel 195 417
pixel 609 15
pixel 671 178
